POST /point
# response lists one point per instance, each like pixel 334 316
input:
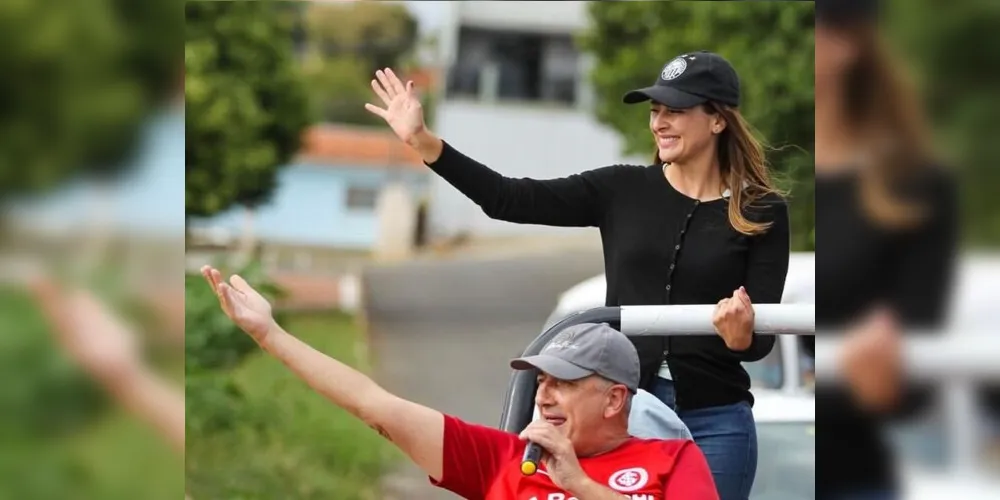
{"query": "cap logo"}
pixel 674 69
pixel 563 341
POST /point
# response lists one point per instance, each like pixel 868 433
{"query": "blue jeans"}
pixel 727 435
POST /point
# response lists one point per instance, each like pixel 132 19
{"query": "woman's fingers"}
pixel 377 111
pixel 383 78
pixel 381 93
pixel 744 297
pixel 397 85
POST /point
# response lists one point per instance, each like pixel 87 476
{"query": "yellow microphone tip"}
pixel 528 468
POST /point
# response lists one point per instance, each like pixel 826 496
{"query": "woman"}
pixel 887 220
pixel 702 225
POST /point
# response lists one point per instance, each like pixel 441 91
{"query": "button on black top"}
pixel 641 216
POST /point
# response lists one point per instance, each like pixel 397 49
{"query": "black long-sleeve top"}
pixel 660 247
pixel 860 264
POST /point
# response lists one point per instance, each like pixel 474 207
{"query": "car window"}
pixel 787 471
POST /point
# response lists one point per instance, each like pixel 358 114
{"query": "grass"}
pixel 62 436
pixel 289 442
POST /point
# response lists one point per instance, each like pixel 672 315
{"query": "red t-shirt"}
pixel 480 462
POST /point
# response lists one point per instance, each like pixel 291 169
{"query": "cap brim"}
pixel 558 368
pixel 667 96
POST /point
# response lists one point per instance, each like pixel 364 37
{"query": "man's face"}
pixel 580 409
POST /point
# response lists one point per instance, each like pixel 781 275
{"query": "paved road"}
pixel 443 332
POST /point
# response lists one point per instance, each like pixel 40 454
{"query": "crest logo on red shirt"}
pixel 629 479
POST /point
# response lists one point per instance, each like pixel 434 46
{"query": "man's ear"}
pixel 617 398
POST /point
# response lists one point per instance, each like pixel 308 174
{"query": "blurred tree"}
pixel 769 43
pixel 78 83
pixel 247 104
pixel 344 44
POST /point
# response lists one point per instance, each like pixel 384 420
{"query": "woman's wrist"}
pixel 428 145
pixel 740 342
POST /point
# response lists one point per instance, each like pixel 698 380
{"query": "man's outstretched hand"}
pixel 244 305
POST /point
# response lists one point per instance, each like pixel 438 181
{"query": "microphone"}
pixel 532 456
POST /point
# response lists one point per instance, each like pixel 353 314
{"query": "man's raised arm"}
pixel 415 429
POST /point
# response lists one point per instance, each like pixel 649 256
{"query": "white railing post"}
pixel 789 319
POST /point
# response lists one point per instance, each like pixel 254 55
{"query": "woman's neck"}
pixel 700 178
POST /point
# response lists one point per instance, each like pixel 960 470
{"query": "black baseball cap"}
pixel 691 79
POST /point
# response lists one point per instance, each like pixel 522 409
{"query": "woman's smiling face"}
pixel 682 134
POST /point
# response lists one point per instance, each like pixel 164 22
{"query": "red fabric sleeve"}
pixel 690 479
pixel 472 457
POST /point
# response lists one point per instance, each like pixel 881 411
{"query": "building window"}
pixel 498 65
pixel 361 198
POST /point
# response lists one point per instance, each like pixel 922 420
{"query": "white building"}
pixel 515 98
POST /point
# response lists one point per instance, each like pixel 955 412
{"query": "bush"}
pixel 43 394
pixel 213 346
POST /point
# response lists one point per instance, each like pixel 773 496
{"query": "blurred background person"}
pixel 886 223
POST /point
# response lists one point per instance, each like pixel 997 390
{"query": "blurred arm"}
pixel 417 430
pixel 152 399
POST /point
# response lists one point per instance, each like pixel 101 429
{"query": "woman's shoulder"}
pixel 767 207
pixel 625 167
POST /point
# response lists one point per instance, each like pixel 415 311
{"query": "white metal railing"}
pixel 953 359
pixel 782 319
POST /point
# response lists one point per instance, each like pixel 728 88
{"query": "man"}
pixel 587 377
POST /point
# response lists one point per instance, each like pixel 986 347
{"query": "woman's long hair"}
pixel 743 166
pixel 883 106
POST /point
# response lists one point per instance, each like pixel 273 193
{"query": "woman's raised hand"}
pixel 402 111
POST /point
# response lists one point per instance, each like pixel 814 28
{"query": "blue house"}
pixel 327 197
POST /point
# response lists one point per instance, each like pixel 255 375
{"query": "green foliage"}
pixel 63 437
pixel 280 439
pixel 78 82
pixel 769 43
pixel 212 403
pixel 247 103
pixel 212 341
pixel 213 345
pixel 43 395
pixel 345 44
pixel 953 52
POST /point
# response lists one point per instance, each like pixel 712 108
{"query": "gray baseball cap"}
pixel 587 349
